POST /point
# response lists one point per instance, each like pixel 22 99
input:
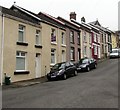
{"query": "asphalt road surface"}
pixel 95 89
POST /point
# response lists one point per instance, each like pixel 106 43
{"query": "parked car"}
pixel 115 53
pixel 86 64
pixel 62 71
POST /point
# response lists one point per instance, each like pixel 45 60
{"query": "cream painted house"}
pixel 54 41
pixel 31 45
pixel 114 40
pixel 22 52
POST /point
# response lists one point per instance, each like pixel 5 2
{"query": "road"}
pixel 95 89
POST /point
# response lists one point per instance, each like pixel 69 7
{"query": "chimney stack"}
pixel 73 15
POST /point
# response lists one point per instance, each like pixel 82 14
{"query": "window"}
pixel 90 38
pixel 98 39
pixel 53 36
pixel 21 37
pixel 78 38
pixel 79 54
pixel 85 51
pixel 95 37
pixel 53 59
pixel 37 40
pixel 20 60
pixel 63 38
pixel 102 39
pixel 71 37
pixel 95 50
pixel 72 53
pixel 84 37
pixel 63 56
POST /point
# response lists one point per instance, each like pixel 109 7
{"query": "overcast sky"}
pixel 106 11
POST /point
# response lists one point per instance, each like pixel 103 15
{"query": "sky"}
pixel 106 11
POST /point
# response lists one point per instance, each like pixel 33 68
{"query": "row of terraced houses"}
pixel 30 44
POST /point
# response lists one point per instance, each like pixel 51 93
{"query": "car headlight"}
pixel 59 72
pixel 84 66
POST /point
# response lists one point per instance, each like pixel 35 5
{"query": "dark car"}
pixel 62 71
pixel 86 64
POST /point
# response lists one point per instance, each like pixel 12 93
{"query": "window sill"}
pixel 38 46
pixel 63 45
pixel 52 64
pixel 53 43
pixel 21 72
pixel 22 43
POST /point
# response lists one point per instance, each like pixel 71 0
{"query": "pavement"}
pixel 25 83
pixel 32 81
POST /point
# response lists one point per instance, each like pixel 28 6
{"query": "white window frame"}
pixel 23 31
pixel 38 34
pixel 95 37
pixel 63 39
pixel 21 56
pixel 53 34
pixel 72 54
pixel 54 53
pixel 71 36
pixel 95 50
pixel 90 38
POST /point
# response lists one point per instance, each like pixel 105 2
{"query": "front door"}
pixel 38 66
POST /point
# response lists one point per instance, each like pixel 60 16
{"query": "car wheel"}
pixel 88 68
pixel 64 76
pixel 49 79
pixel 75 73
pixel 95 66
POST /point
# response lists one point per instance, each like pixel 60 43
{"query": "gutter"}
pixel 2 48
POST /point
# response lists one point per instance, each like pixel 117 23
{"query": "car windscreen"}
pixel 114 51
pixel 84 61
pixel 58 66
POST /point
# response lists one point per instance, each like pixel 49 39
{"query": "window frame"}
pixel 72 37
pixel 53 35
pixel 23 57
pixel 23 33
pixel 54 53
pixel 38 34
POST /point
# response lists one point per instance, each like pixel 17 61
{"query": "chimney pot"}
pixel 73 15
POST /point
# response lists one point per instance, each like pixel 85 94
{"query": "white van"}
pixel 115 53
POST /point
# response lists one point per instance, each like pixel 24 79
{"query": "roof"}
pixel 95 23
pixel 69 23
pixel 51 17
pixel 81 25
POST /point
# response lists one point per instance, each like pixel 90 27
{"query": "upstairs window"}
pixel 53 36
pixel 38 39
pixel 84 36
pixel 95 37
pixel 71 37
pixel 78 34
pixel 63 38
pixel 90 38
pixel 21 33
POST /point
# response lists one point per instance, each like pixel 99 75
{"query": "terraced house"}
pixel 21 37
pixel 73 50
pixel 105 38
pixel 32 43
pixel 54 40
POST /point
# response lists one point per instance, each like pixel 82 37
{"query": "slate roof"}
pixel 18 14
pixel 69 24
